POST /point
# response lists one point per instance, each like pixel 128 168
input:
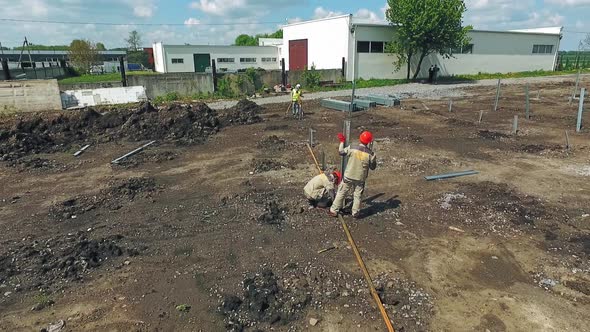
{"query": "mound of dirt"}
pixel 263 301
pixel 267 165
pixel 244 113
pixel 539 148
pixel 183 124
pixel 45 264
pixel 37 164
pixel 272 143
pixel 113 198
pixel 273 214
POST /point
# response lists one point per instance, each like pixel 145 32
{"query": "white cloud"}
pixel 368 15
pixel 321 12
pixel 241 8
pixel 570 3
pixel 142 8
pixel 37 8
pixel 192 21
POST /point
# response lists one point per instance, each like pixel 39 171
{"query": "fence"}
pixel 29 96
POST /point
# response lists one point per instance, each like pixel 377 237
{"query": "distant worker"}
pixel 320 190
pixel 431 74
pixel 296 95
pixel 435 71
pixel 360 160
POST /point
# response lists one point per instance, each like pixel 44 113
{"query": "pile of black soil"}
pixel 267 165
pixel 50 263
pixel 540 148
pixel 182 124
pixel 272 143
pixel 491 135
pixel 273 214
pixel 244 113
pixel 114 197
pixel 147 157
pixel 263 301
pixel 36 164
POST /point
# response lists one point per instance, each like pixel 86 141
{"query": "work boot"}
pixel 357 215
pixel 332 213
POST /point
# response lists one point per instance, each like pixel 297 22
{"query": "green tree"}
pixel 83 55
pixel 246 40
pixel 134 41
pixel 100 47
pixel 138 57
pixel 424 27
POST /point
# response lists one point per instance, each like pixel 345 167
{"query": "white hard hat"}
pixel 298 86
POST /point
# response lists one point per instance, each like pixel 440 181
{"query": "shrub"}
pixel 311 78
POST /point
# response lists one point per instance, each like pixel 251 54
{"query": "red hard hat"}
pixel 338 176
pixel 366 137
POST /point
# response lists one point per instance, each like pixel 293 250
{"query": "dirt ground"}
pixel 208 229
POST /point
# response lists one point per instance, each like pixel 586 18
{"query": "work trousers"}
pixel 346 187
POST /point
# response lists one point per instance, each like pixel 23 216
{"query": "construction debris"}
pixel 116 161
pixel 450 175
pixel 84 148
pixel 383 100
pixel 338 105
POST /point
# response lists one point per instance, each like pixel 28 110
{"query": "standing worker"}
pixel 360 160
pixel 296 95
pixel 320 190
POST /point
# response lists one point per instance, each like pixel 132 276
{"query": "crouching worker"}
pixel 320 190
pixel 360 160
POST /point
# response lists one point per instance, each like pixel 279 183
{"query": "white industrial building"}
pixel 325 42
pixel 360 45
pixel 197 58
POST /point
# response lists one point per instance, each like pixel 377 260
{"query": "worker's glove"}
pixel 341 138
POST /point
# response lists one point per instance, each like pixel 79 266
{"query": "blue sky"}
pixel 170 18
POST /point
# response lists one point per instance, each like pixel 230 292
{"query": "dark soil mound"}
pixel 43 264
pixel 112 198
pixel 183 124
pixel 244 113
pixel 491 135
pixel 267 165
pixel 273 214
pixel 272 143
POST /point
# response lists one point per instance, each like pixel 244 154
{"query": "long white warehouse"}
pixel 197 58
pixel 331 42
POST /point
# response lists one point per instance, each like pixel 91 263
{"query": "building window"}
pixel 466 49
pixel 226 60
pixel 542 49
pixel 377 47
pixel 248 60
pixel 363 46
pixel 269 59
pixel 177 60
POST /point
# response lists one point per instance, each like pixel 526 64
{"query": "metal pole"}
pixel 323 158
pixel 497 95
pixel 528 103
pixel 515 125
pixel 567 140
pixel 575 87
pixel 122 67
pixel 311 137
pixel 214 73
pixel 450 105
pixel 354 51
pixel 346 130
pixel 480 116
pixel 580 110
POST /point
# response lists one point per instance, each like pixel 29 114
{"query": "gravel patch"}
pixel 411 90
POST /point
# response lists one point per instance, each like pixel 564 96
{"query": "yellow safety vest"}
pixel 296 93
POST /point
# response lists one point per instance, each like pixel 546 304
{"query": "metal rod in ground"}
pixel 81 150
pixel 515 125
pixel 497 95
pixel 580 110
pixel 480 116
pixel 346 130
pixel 567 140
pixel 311 137
pixel 575 88
pixel 528 103
pixel 323 158
pixel 116 161
pixel 450 105
pixel 450 175
pixel 368 279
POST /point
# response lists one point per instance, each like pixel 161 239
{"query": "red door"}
pixel 298 54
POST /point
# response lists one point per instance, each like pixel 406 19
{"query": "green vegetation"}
pixel 425 27
pixel 42 301
pixel 44 48
pixel 113 77
pixel 484 76
pixel 311 78
pixel 247 40
pixel 573 59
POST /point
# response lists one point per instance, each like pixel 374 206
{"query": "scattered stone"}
pixel 7 294
pixel 313 321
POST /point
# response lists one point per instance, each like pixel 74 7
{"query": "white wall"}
pixel 107 96
pixel 327 40
pixel 159 62
pixel 29 96
pixel 186 52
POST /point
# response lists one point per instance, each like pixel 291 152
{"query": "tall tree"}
pixel 134 41
pixel 246 40
pixel 100 47
pixel 424 27
pixel 83 55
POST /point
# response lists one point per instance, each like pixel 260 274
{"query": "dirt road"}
pixel 209 230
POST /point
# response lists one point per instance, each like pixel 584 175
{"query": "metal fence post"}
pixel 515 125
pixel 497 95
pixel 575 87
pixel 346 130
pixel 450 105
pixel 528 103
pixel 580 110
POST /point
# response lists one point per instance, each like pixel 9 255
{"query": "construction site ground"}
pixel 211 232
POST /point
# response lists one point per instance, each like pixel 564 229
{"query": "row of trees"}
pixel 248 40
